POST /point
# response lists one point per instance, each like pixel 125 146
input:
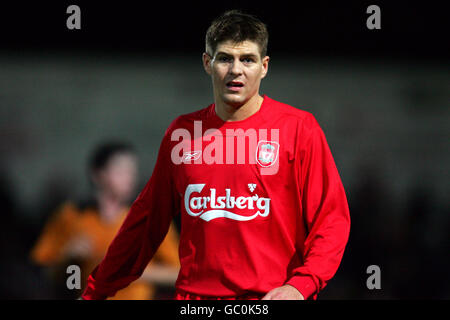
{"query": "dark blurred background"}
pixel 381 96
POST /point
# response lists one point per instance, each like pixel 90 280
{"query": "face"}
pixel 236 70
pixel 118 178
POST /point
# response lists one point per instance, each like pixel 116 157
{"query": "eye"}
pixel 247 60
pixel 224 59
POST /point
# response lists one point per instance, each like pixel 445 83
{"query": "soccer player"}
pixel 263 211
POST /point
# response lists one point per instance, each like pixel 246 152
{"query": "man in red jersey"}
pixel 263 211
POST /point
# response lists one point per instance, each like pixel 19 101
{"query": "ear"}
pixel 265 66
pixel 207 62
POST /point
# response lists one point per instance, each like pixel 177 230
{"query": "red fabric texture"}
pixel 245 228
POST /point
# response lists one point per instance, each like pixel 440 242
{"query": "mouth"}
pixel 234 85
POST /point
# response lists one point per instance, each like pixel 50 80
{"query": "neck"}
pixel 236 113
pixel 109 206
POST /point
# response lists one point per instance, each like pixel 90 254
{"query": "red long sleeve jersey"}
pixel 261 205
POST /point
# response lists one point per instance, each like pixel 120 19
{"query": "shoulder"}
pixel 64 214
pixel 288 113
pixel 75 208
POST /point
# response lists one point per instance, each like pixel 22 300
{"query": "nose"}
pixel 236 68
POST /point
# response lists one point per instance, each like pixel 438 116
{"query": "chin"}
pixel 234 100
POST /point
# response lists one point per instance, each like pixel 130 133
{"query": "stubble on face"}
pixel 237 70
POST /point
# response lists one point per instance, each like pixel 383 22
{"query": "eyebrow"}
pixel 245 55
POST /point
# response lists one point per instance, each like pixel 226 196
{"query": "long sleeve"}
pixel 141 233
pixel 325 213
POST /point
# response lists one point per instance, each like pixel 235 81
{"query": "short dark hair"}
pixel 237 26
pixel 105 151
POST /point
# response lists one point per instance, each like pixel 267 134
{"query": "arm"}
pixel 325 213
pixel 140 234
pixel 164 268
pixel 161 274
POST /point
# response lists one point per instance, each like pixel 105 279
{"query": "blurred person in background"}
pixel 81 233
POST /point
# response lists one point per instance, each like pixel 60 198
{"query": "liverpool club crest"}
pixel 267 153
